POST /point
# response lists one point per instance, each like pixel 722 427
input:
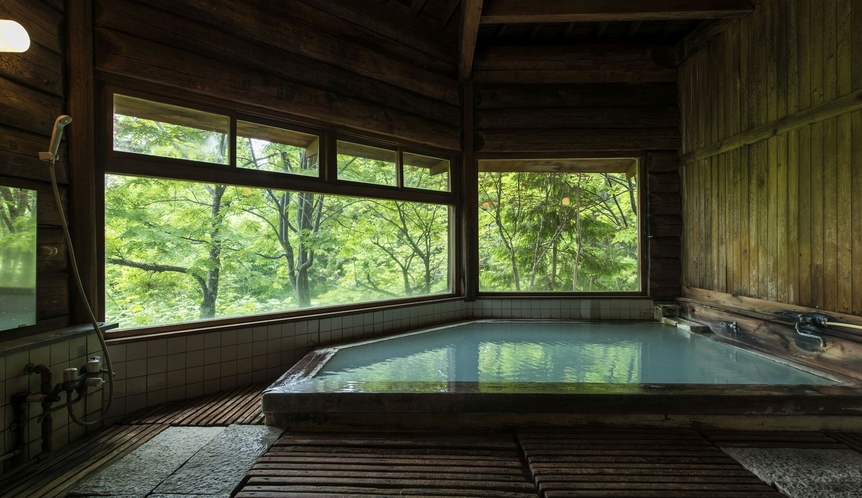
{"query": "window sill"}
pixel 189 328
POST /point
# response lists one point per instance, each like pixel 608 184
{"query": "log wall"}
pixel 772 157
pixel 322 61
pixel 612 100
pixel 32 95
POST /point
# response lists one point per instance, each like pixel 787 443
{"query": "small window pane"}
pixel 362 163
pixel 17 257
pixel 157 129
pixel 429 173
pixel 267 148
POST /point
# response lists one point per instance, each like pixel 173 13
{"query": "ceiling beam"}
pixel 417 7
pixel 447 13
pixel 471 12
pixel 559 11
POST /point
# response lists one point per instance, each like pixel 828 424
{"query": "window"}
pixel 424 172
pixel 561 225
pixel 156 129
pixel 363 163
pixel 263 232
pixel 17 257
pixel 267 148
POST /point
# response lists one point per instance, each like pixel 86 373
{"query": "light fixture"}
pixel 13 37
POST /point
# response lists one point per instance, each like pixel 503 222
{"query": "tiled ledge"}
pixel 25 343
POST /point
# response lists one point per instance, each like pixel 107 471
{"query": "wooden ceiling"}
pixel 491 22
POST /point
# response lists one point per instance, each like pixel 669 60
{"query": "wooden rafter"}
pixel 448 12
pixel 416 7
pixel 559 11
pixel 471 12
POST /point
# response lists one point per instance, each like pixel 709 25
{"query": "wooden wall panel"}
pixel 317 64
pixel 31 97
pixel 776 219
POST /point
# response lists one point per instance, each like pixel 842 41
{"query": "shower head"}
pixel 59 124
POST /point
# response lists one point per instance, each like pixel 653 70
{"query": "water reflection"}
pixel 526 353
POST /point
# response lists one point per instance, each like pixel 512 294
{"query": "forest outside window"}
pixel 559 225
pixel 182 248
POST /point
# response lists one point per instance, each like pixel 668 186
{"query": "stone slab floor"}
pixel 183 462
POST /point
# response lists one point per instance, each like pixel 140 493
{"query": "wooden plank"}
pixel 562 140
pixel 700 37
pixel 588 95
pixel 299 37
pixel 154 25
pixel 447 13
pixel 563 11
pixel 744 257
pixel 760 307
pixel 299 491
pixel 38 68
pixel 19 156
pixel 127 56
pixel 607 62
pixel 830 160
pixel 856 211
pixel 28 109
pixel 584 117
pixel 471 11
pixel 405 464
pixel 844 173
pixel 813 116
pixel 387 23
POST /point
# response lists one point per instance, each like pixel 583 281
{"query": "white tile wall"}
pixel 58 356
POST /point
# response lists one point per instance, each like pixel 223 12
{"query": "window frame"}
pixel 115 162
pixel 643 237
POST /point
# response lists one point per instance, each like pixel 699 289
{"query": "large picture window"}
pixel 198 242
pixel 564 225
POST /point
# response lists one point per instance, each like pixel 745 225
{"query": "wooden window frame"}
pixel 327 183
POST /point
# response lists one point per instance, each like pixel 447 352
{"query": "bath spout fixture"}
pixel 733 326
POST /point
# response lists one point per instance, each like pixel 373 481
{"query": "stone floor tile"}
pixel 805 473
pixel 220 465
pixel 139 472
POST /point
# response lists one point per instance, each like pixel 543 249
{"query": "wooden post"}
pixel 470 198
pixel 82 153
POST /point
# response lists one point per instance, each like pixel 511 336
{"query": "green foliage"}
pixel 17 238
pixel 557 232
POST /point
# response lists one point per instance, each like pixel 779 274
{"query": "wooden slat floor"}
pixel 334 465
pixel 551 464
pixel 621 463
pixel 237 406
